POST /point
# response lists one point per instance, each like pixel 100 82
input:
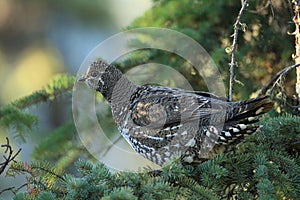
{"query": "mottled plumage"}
pixel 160 122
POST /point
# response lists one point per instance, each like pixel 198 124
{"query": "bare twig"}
pixel 14 190
pixel 7 189
pixel 275 78
pixel 237 26
pixel 10 157
pixel 268 4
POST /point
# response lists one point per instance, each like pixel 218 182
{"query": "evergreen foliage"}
pixel 265 166
pixel 12 116
pixel 62 139
pixel 210 23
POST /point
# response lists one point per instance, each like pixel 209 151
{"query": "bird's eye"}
pixel 94 74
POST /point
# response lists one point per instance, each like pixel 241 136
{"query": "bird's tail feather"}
pixel 249 109
pixel 244 119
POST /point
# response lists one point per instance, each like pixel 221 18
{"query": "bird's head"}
pixel 95 75
pixel 102 77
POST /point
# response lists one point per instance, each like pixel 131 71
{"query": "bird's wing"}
pixel 163 107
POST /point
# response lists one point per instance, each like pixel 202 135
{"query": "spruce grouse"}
pixel 160 122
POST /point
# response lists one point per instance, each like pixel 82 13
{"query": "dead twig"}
pixel 11 157
pixel 14 190
pixel 275 78
pixel 237 26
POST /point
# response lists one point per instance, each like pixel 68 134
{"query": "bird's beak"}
pixel 82 79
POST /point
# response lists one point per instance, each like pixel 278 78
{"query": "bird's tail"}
pixel 252 108
pixel 244 117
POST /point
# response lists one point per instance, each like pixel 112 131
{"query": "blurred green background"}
pixel 42 38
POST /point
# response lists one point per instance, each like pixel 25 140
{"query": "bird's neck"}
pixel 118 88
pixel 120 99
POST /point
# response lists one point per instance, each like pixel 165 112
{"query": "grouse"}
pixel 161 122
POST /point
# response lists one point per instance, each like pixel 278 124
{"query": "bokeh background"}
pixel 42 38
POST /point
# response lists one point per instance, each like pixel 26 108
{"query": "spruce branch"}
pixel 42 177
pixel 12 116
pixel 58 85
pixel 233 49
pixel 35 169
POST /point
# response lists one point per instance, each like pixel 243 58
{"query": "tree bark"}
pixel 296 56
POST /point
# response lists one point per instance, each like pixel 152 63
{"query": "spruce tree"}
pixel 265 166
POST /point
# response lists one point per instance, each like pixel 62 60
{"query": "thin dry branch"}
pixel 275 78
pixel 10 158
pixel 14 190
pixel 237 26
pixel 268 4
